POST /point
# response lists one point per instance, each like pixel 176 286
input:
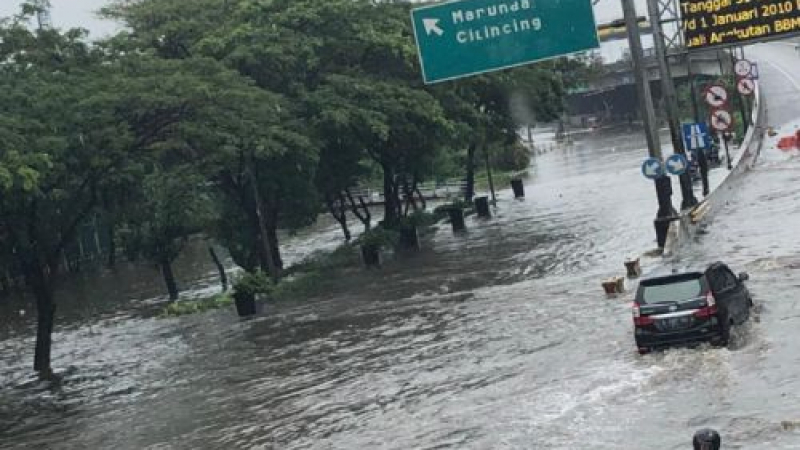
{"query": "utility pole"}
pixel 642 80
pixel 663 184
pixel 670 99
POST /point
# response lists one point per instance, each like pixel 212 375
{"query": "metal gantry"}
pixel 670 20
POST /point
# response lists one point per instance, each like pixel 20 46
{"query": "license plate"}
pixel 675 323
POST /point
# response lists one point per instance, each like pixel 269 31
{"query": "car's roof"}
pixel 672 278
pixel 664 273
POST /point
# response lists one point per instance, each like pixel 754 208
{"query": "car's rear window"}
pixel 675 291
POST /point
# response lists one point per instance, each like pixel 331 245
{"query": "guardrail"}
pixel 431 190
pixel 681 230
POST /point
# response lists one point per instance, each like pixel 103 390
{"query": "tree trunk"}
pixel 223 277
pixel 422 201
pixel 169 279
pixel 272 235
pixel 365 217
pixel 5 283
pixel 340 213
pixel 111 263
pixel 266 245
pixel 45 310
pixel 390 207
pixel 469 189
pixel 258 241
pixel 489 174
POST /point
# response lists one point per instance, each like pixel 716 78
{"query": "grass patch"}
pixel 182 308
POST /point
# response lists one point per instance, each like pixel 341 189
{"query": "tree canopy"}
pixel 235 119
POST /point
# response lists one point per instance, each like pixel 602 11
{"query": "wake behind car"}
pixel 690 307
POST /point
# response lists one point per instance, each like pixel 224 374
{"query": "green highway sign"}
pixel 468 37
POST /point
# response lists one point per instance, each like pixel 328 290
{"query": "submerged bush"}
pixel 253 284
pixel 185 307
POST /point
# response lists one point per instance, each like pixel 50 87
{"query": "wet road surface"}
pixel 499 338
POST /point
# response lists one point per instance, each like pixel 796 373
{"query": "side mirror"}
pixel 744 277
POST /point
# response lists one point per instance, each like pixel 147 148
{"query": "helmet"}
pixel 706 439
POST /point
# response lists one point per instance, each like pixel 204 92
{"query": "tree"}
pixel 172 207
pixel 266 167
pixel 56 153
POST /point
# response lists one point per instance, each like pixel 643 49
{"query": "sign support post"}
pixel 662 184
pixel 671 100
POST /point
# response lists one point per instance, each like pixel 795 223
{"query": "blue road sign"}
pixel 677 164
pixel 652 168
pixel 696 136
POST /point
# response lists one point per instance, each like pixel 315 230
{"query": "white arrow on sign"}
pixel 746 86
pixel 676 165
pixel 652 169
pixel 696 138
pixel 721 120
pixel 716 95
pixel 432 26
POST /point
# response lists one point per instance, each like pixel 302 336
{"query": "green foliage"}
pixel 302 286
pixel 186 307
pixel 253 284
pixel 172 206
pixel 419 219
pixel 346 255
pixel 510 157
pixel 380 237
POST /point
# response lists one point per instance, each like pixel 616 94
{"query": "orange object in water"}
pixel 790 142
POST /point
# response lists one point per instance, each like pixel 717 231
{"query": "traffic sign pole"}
pixel 671 100
pixel 742 107
pixel 662 184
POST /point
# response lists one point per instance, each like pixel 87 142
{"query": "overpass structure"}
pixel 611 95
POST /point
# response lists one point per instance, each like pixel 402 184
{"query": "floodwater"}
pixel 497 338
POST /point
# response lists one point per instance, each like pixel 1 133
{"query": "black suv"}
pixel 690 307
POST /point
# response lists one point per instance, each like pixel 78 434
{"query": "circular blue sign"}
pixel 652 168
pixel 677 164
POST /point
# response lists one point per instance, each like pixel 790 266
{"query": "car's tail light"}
pixel 638 319
pixel 710 309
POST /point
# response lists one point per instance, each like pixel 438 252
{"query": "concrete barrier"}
pixel 681 231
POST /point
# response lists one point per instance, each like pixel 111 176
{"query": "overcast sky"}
pixel 69 14
pixel 82 13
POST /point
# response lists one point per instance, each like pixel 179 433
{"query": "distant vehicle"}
pixel 690 307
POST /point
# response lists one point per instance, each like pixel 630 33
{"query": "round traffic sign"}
pixel 715 95
pixel 746 86
pixel 721 120
pixel 742 67
pixel 652 168
pixel 677 164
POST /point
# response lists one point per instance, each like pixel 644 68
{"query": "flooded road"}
pixel 498 338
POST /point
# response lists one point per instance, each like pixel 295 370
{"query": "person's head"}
pixel 706 439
